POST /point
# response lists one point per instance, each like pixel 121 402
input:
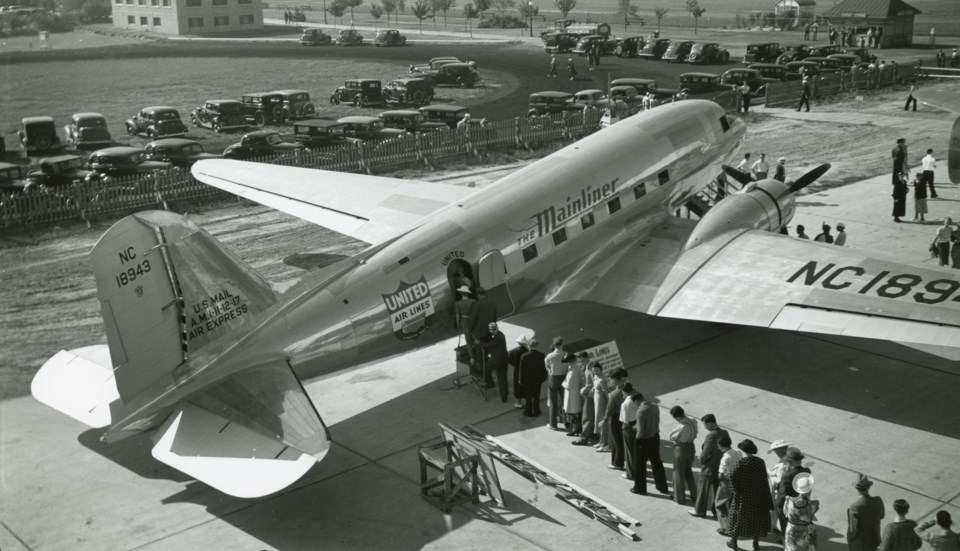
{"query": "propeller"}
pixel 744 179
pixel 808 178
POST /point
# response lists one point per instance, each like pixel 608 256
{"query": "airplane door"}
pixel 492 276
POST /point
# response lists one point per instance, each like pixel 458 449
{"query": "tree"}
pixel 528 11
pixel 401 7
pixel 625 10
pixel 660 13
pixel 694 9
pixel 376 11
pixel 469 14
pixel 565 6
pixel 482 6
pixel 337 8
pixel 351 4
pixel 420 11
pixel 389 6
pixel 503 5
pixel 444 6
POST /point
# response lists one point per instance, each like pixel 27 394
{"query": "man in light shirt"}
pixel 744 165
pixel 683 453
pixel 929 165
pixel 760 169
pixel 556 373
pixel 628 417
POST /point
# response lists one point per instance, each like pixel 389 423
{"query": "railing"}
pixel 781 94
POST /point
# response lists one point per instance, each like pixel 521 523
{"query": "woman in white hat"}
pixel 801 533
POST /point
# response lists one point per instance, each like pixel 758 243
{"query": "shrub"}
pixel 504 22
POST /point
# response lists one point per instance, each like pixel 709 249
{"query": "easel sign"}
pixel 608 355
pixel 468 446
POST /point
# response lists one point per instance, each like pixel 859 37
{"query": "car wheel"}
pixel 42 143
pixel 194 121
pixel 461 83
pixel 334 100
pixel 418 96
pixel 217 127
pixel 131 130
pixel 151 134
pixel 277 113
pixel 259 119
pixel 725 57
pixel 356 101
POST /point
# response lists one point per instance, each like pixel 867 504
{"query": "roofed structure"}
pixel 894 18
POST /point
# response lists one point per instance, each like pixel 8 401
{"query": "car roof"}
pixel 319 123
pixel 623 87
pixel 551 94
pixel 818 58
pixel 589 91
pixel 172 142
pixel 442 107
pixel 362 80
pixel 843 56
pixel 58 158
pixel 388 30
pixel 459 64
pixel 676 42
pixel 86 115
pixel 260 94
pixel 355 119
pixel 400 113
pixel 158 108
pixel 697 74
pixel 799 63
pixel 752 65
pixel 31 120
pixel 5 166
pixel 117 151
pixel 260 133
pixel 408 80
pixel 223 101
pixel 763 44
pixel 289 92
pixel 632 81
pixel 742 70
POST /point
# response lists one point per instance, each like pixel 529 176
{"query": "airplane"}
pixel 205 355
pixel 943 95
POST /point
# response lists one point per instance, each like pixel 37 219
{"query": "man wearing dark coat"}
pixel 484 313
pixel 863 518
pixel 533 372
pixel 495 349
pixel 900 190
pixel 614 401
pixel 899 155
pixel 513 358
pixel 785 486
pixel 710 456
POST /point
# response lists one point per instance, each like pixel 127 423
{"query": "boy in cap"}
pixel 863 518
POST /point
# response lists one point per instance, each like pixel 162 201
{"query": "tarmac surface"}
pixel 852 405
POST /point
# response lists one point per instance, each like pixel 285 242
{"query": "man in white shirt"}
pixel 760 168
pixel 628 417
pixel 556 373
pixel 684 452
pixel 744 165
pixel 841 237
pixel 929 165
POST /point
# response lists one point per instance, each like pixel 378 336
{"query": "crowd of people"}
pixel 735 488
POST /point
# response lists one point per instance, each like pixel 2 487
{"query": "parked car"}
pixel 260 143
pixel 642 85
pixel 409 120
pixel 604 45
pixel 263 107
pixel 350 37
pixel 825 50
pixel 678 51
pixel 708 52
pixel 434 64
pixel 59 171
pixel 794 67
pixel 219 115
pixel 542 103
pixel 413 91
pixel 176 151
pixel 389 37
pixel 558 25
pixel 296 104
pixel 762 52
pixel 87 129
pixel 315 37
pixel 38 135
pixel 364 128
pixel 560 42
pixel 654 49
pixel 585 98
pixel 863 53
pixel 626 94
pixel 319 133
pixel 157 122
pixel 770 72
pixel 11 178
pixel 462 75
pixel 629 46
pixel 847 61
pixel 121 161
pixel 445 113
pixel 750 77
pixel 701 83
pixel 827 64
pixel 793 52
pixel 360 92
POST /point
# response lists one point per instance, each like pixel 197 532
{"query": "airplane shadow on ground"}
pixel 368 485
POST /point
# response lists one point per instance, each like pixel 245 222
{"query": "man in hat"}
pixel 841 238
pixel 513 358
pixel 792 457
pixel 824 235
pixel 553 67
pixel 805 92
pixel 899 155
pixel 710 456
pixel 780 171
pixel 495 353
pixel 533 372
pixel 484 313
pixel 463 312
pixel 863 518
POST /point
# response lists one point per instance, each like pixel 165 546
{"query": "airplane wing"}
pixel 765 279
pixel 370 208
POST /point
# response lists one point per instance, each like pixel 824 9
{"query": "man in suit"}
pixel 614 401
pixel 513 358
pixel 899 155
pixel 495 350
pixel 793 457
pixel 863 517
pixel 710 456
pixel 463 314
pixel 533 372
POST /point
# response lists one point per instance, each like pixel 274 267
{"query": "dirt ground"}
pixel 48 298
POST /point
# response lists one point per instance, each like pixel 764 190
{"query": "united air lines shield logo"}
pixel 409 308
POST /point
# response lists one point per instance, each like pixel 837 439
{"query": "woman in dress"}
pixel 900 190
pixel 801 534
pixel 572 400
pixel 751 502
pixel 919 197
pixel 600 392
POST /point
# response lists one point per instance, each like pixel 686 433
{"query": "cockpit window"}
pixel 725 123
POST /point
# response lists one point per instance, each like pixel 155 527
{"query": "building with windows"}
pixel 188 16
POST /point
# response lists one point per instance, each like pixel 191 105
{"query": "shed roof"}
pixel 801 3
pixel 870 8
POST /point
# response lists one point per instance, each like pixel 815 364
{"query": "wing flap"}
pixel 851 324
pixel 370 208
pixel 78 383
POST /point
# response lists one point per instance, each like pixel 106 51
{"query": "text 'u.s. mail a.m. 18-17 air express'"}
pixel 203 352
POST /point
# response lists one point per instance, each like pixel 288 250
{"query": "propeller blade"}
pixel 744 179
pixel 809 178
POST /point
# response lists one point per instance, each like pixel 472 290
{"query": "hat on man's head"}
pixel 794 454
pixel 862 482
pixel 826 227
pixel 522 339
pixel 463 289
pixel 583 354
pixel 803 483
pixel 901 140
pixel 777 444
pixel 532 343
pixel 782 160
pixel 840 226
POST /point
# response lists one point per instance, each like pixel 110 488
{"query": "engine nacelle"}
pixel 765 205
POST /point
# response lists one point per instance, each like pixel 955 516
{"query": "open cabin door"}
pixel 492 276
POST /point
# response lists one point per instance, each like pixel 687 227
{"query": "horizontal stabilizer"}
pixel 78 383
pixel 228 456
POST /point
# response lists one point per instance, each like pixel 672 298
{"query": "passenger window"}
pixel 587 220
pixel 530 253
pixel 614 205
pixel 639 191
pixel 664 177
pixel 559 236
